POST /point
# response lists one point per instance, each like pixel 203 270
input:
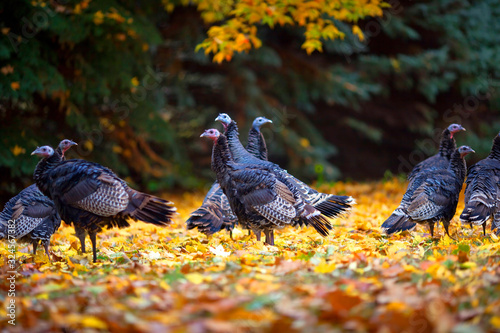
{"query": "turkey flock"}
pixel 249 190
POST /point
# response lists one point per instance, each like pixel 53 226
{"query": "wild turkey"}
pixel 398 220
pixel 260 200
pixel 434 194
pixel 328 205
pixel 447 146
pixel 482 194
pixel 215 213
pixel 32 216
pixel 92 197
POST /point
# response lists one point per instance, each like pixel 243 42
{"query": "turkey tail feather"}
pixel 150 209
pixel 207 221
pixel 321 224
pixel 398 221
pixel 475 213
pixel 335 205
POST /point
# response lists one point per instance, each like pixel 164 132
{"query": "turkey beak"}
pixel 269 121
pixel 204 134
pixel 462 128
pixel 218 118
pixel 36 151
pixel 72 143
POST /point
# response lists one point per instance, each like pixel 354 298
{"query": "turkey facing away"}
pixel 482 194
pixel 33 216
pixel 92 197
pixel 398 220
pixel 328 205
pixel 447 146
pixel 215 212
pixel 260 200
pixel 433 195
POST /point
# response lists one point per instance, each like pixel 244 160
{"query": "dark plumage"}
pixel 433 195
pixel 482 194
pixel 34 217
pixel 256 144
pixel 447 146
pixel 32 214
pixel 260 200
pixel 215 213
pixel 398 221
pixel 328 205
pixel 92 197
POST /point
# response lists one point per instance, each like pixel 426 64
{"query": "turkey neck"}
pixel 457 165
pixel 495 149
pixel 447 145
pixel 237 150
pixel 256 144
pixel 42 170
pixel 221 157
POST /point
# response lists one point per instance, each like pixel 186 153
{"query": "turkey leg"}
pixel 46 246
pixel 92 235
pixel 269 237
pixel 446 225
pixel 35 245
pixel 81 234
pixel 431 228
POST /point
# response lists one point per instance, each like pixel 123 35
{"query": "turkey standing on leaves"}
pixel 215 213
pixel 435 196
pixel 32 214
pixel 260 200
pixel 328 205
pixel 447 146
pixel 398 221
pixel 482 194
pixel 92 197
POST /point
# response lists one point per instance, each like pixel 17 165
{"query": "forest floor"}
pixel 151 279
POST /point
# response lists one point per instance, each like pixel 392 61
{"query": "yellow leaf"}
pixel 165 285
pixel 324 268
pixel 94 322
pixel 304 142
pixel 468 264
pixel 42 296
pixel 98 17
pixel 241 39
pixel 495 321
pixel 396 306
pixel 195 278
pixel 88 145
pixel 357 31
pixel 219 57
pixel 17 150
pixel 134 81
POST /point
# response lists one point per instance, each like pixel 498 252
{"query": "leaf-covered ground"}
pixel 151 279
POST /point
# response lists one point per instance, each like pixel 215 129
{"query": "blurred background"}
pixel 126 80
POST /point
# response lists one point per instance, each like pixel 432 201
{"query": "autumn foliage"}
pixel 238 32
pixel 160 279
